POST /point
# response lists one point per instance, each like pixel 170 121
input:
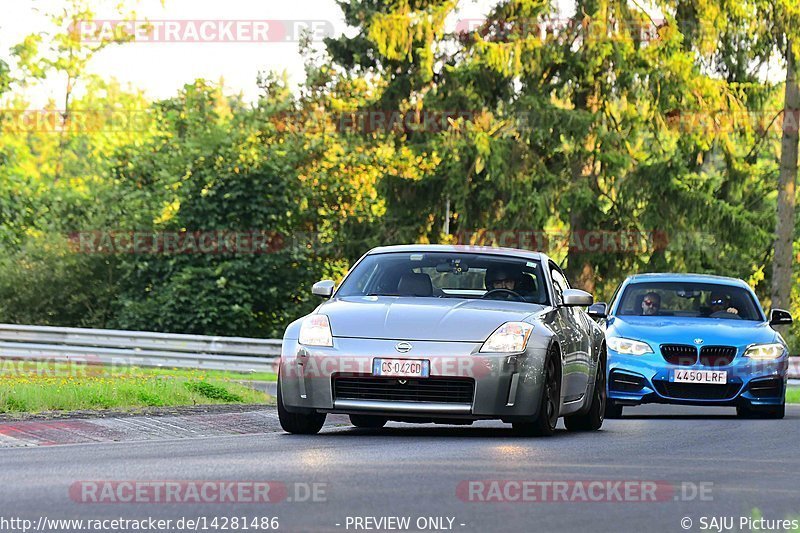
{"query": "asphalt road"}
pixel 705 462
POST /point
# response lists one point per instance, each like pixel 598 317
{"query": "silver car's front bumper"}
pixel 505 386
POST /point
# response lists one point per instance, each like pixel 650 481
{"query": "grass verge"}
pixel 793 395
pixel 65 387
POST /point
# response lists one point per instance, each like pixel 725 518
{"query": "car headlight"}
pixel 628 346
pixel 510 337
pixel 772 350
pixel 316 331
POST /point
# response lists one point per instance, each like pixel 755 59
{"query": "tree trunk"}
pixel 784 224
pixel 62 138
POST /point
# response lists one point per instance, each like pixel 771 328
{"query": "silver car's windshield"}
pixel 447 275
pixel 700 300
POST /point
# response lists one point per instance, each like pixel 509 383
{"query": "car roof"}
pixel 460 248
pixel 679 277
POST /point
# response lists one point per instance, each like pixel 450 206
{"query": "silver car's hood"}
pixel 430 319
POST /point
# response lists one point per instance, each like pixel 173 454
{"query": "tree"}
pixel 215 170
pixel 67 52
pixel 739 38
pixel 788 24
pixel 597 99
pixel 787 184
pixel 404 132
pixel 396 38
pixel 5 77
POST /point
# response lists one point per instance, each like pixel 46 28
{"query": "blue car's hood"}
pixel 680 330
pixel 432 319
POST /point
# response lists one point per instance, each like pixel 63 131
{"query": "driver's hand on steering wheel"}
pixel 505 294
pixel 732 310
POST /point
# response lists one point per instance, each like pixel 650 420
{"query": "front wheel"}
pixel 544 425
pixel 592 420
pixel 299 423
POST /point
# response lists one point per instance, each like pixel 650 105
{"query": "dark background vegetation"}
pixel 602 125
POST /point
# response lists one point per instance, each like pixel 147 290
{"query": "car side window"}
pixel 559 284
pixel 614 297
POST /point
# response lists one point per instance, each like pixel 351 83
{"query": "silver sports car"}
pixel 446 334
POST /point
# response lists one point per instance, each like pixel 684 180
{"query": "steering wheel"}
pixel 507 292
pixel 724 314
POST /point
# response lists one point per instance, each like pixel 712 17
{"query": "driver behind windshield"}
pixel 651 304
pixel 721 303
pixel 501 278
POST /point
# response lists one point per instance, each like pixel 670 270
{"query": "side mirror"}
pixel 577 298
pixel 323 288
pixel 598 310
pixel 779 317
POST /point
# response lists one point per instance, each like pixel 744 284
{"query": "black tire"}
pixel 774 412
pixel 368 421
pixel 592 420
pixel 613 410
pixel 298 423
pixel 544 425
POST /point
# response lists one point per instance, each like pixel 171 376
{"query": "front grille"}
pixel 696 391
pixel 435 389
pixel 717 355
pixel 622 382
pixel 679 354
pixel 766 388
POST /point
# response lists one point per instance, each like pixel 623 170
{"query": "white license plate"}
pixel 401 368
pixel 716 377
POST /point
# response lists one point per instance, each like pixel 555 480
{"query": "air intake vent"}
pixel 438 390
pixel 624 382
pixel 766 388
pixel 697 391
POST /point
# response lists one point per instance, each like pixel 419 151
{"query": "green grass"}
pixel 62 387
pixel 80 367
pixel 210 374
pixel 793 395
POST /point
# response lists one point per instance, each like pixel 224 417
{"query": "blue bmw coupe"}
pixel 694 340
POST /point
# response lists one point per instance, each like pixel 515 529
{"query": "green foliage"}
pixel 46 282
pixel 5 77
pixel 221 177
pixel 399 39
pixel 588 128
pixel 213 392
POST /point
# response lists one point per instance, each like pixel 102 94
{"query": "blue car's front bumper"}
pixel 634 380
